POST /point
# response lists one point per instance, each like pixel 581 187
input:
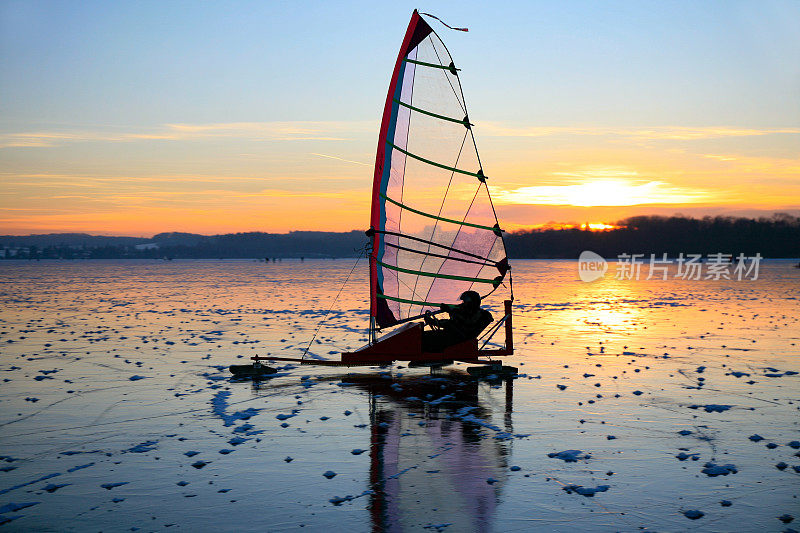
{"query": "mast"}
pixel 417 30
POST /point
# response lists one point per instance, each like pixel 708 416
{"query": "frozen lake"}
pixel 117 412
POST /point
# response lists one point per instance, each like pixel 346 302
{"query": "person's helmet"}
pixel 471 298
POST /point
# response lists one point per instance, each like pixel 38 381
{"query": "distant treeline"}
pixel 308 244
pixel 777 236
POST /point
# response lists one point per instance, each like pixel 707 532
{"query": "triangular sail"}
pixel 434 229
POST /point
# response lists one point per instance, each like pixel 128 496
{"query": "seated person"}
pixel 466 321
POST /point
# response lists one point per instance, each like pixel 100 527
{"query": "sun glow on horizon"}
pixel 602 192
pixel 585 226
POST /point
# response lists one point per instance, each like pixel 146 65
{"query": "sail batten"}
pixel 478 174
pixel 405 301
pixel 493 281
pixel 432 243
pixel 463 121
pixel 436 217
pixel 432 216
pixel 433 254
pixel 451 67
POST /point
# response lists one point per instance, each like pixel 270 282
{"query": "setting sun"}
pixel 558 226
pixel 599 226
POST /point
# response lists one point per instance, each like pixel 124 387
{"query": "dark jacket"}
pixel 465 322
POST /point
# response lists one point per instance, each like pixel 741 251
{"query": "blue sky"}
pixel 99 82
pixel 615 62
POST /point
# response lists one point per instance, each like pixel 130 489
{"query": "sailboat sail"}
pixel 434 230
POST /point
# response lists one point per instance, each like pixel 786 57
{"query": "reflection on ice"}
pixel 431 460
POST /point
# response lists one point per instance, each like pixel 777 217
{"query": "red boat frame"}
pixel 405 344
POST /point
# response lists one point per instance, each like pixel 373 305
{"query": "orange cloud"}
pixel 275 131
pixel 496 129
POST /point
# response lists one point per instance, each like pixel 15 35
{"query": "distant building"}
pixel 147 246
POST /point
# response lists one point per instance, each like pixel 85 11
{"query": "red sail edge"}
pixel 417 30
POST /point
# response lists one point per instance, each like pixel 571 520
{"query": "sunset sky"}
pixel 133 118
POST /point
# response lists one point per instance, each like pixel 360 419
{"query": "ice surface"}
pixel 187 448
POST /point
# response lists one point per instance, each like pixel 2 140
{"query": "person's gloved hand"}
pixel 430 320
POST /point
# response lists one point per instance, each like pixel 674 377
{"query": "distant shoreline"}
pixel 774 237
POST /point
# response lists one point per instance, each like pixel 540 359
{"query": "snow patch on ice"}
pixel 589 492
pixel 711 408
pixel 109 486
pixel 570 456
pixel 713 470
pixel 48 476
pixel 14 507
pixel 143 447
pixel 219 406
pixel 339 500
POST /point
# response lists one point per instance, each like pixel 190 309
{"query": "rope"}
pixel 443 22
pixel 492 331
pixel 325 316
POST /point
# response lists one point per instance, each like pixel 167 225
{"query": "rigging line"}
pixel 458 232
pixel 403 300
pixel 491 291
pixel 491 203
pixel 432 243
pixel 494 212
pixel 464 108
pixel 397 277
pixel 480 165
pixel 319 326
pixel 492 331
pixel 415 317
pixel 510 284
pixel 407 286
pixel 460 101
pixel 443 22
pixel 439 214
pixel 502 239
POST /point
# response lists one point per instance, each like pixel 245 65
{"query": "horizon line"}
pixel 550 225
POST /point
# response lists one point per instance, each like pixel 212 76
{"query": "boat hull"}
pixel 405 344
